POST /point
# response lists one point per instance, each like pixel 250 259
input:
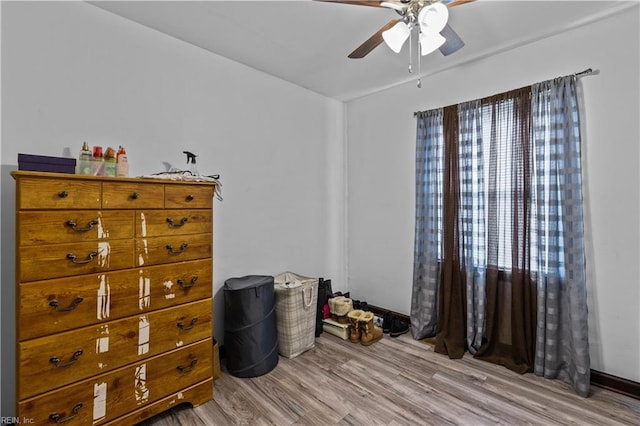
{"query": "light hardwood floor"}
pixel 397 381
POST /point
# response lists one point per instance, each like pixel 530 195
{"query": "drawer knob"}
pixel 184 286
pixel 189 369
pixel 182 248
pixel 63 194
pixel 56 305
pixel 56 418
pixel 73 258
pixel 71 224
pixel 177 225
pixel 56 361
pixel 190 197
pixel 183 327
pixel 135 196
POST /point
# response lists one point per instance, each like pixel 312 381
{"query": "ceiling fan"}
pixel 429 16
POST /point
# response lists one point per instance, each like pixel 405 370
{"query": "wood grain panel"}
pixel 159 250
pixel 48 362
pixel 51 227
pixel 57 260
pixel 132 195
pixel 192 396
pixel 108 296
pixel 195 196
pixel 125 389
pixel 156 223
pixel 57 193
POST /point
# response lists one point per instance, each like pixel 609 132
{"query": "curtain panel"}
pixel 499 265
pixel 562 345
pixel 426 269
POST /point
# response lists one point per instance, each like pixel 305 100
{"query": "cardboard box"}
pixel 43 163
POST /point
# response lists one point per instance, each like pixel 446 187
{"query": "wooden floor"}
pixel 397 381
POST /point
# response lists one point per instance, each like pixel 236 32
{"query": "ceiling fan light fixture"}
pixel 430 41
pixel 395 36
pixel 433 18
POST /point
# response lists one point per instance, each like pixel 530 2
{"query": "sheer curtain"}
pixel 426 270
pixel 562 346
pixel 499 241
pixel 510 290
pixel 487 296
pixel 473 218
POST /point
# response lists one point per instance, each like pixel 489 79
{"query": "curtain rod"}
pixel 585 72
pixel 588 71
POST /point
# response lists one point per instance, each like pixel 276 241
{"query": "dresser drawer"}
pixel 67 357
pixel 132 195
pixel 196 395
pixel 46 193
pixel 61 260
pixel 156 223
pixel 157 250
pixel 62 304
pixel 102 398
pixel 188 196
pixel 50 227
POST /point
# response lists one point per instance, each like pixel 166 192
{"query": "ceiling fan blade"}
pixel 372 42
pixel 357 3
pixel 453 43
pixel 456 2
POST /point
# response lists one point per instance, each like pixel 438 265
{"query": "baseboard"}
pixel 615 384
pixel 598 378
pixel 381 311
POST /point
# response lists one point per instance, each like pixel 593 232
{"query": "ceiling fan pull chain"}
pixel 419 64
pixel 410 50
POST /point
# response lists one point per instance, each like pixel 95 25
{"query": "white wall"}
pixel 381 140
pixel 73 72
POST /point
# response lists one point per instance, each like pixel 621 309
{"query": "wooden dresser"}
pixel 114 297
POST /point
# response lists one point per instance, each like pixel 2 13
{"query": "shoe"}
pixel 370 333
pixel 398 327
pixel 340 306
pixel 360 304
pixel 355 333
pixel 387 319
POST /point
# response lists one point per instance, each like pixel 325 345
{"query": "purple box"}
pixel 43 163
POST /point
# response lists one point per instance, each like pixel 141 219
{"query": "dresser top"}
pixel 48 175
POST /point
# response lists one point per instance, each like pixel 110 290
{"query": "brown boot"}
pixel 340 306
pixel 370 333
pixel 355 332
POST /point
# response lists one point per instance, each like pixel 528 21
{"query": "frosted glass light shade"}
pixel 433 18
pixel 396 36
pixel 430 41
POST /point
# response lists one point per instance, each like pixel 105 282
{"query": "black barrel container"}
pixel 250 331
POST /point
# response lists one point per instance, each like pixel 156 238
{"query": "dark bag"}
pixel 324 293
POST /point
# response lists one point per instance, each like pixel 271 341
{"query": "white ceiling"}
pixel 307 42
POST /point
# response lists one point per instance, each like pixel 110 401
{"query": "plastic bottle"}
pixel 191 159
pixel 122 164
pixel 109 162
pixel 84 160
pixel 97 162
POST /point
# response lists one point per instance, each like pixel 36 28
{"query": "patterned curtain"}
pixel 426 269
pixel 472 218
pixel 562 346
pixel 499 265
